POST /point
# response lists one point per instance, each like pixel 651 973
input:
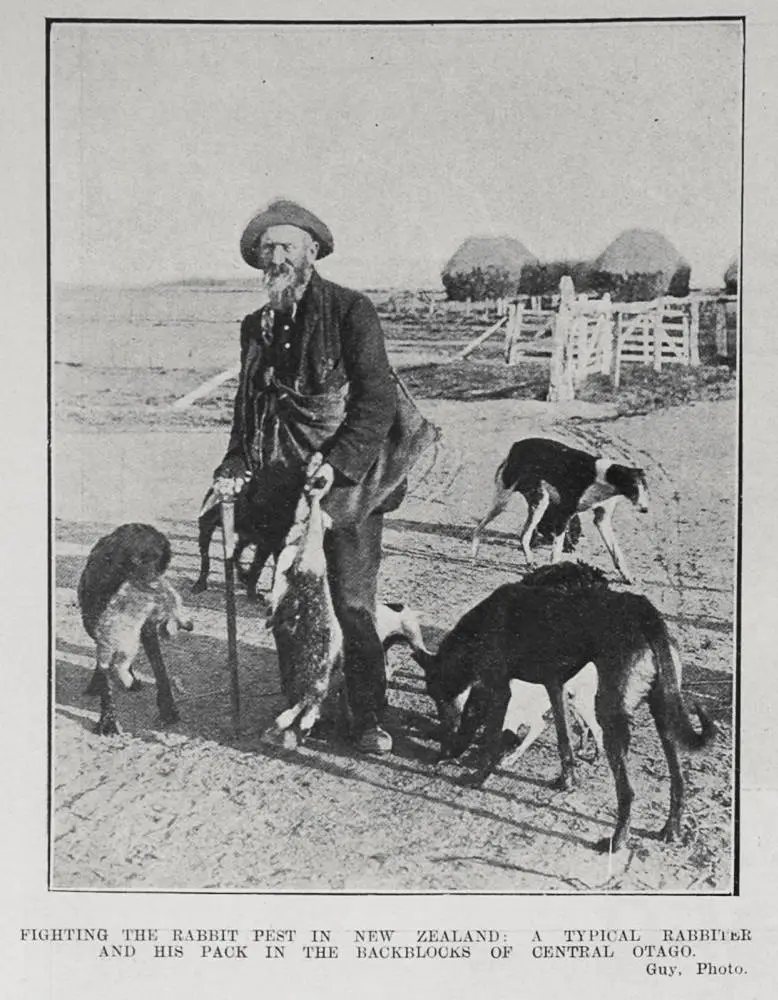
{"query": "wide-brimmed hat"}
pixel 281 212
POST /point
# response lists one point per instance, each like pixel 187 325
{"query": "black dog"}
pixel 124 598
pixel 543 630
pixel 248 533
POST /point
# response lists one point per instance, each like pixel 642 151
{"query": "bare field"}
pixel 200 806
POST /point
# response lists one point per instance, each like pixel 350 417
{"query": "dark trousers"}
pixel 353 561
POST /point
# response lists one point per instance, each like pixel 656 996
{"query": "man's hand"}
pixel 228 488
pixel 320 475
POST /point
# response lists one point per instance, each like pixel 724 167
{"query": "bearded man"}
pixel 315 379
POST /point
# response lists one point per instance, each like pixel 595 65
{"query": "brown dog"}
pixel 124 599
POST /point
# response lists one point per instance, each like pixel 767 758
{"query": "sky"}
pixel 405 140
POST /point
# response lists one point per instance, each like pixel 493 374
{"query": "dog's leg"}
pixel 672 829
pixel 459 724
pixel 240 547
pixel 261 556
pixel 512 752
pixel 538 504
pixel 603 519
pixel 558 699
pixel 583 690
pixel 527 707
pixel 585 712
pixel 557 546
pixel 472 717
pixel 121 664
pixel 204 535
pixel 100 684
pixel 572 533
pixel 616 737
pixel 500 500
pixel 494 748
pixel 167 707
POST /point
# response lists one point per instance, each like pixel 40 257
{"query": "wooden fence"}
pixel 663 332
pixel 583 335
pixel 434 303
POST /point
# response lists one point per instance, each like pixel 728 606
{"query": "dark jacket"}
pixel 322 382
pixel 336 345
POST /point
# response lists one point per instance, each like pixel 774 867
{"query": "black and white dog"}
pixel 558 482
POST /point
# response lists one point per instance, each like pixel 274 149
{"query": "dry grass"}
pixel 643 390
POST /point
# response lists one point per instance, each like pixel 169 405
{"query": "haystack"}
pixel 732 277
pixel 485 267
pixel 641 263
pixel 490 251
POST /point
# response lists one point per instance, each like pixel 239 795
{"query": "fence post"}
pixel 694 334
pixel 731 311
pixel 617 349
pixel 507 347
pixel 656 326
pixel 513 334
pixel 560 386
pixel 721 330
pixel 605 330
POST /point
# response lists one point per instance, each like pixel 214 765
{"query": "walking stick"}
pixel 226 504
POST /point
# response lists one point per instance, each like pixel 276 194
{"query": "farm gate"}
pixel 601 336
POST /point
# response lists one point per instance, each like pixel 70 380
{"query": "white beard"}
pixel 285 290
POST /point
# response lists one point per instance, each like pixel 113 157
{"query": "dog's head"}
pixel 399 623
pixel 630 483
pixel 639 494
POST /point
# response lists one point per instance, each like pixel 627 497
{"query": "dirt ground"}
pixel 200 806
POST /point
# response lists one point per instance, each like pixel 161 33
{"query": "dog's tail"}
pixel 669 684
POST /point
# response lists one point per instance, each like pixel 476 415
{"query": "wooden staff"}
pixel 227 508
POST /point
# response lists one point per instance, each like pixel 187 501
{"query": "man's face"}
pixel 286 256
